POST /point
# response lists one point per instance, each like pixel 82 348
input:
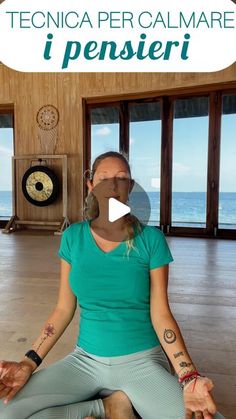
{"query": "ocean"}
pixel 188 208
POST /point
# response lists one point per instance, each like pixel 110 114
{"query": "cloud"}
pixel 155 182
pixel 5 151
pixel 103 132
pixel 180 169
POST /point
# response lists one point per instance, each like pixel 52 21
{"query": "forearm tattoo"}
pixel 169 336
pixel 48 331
pixel 185 368
pixel 185 364
pixel 178 354
pixel 184 372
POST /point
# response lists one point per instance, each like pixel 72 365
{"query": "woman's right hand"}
pixel 13 376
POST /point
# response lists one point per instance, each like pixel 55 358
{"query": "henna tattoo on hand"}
pixel 48 331
pixel 169 336
pixel 178 354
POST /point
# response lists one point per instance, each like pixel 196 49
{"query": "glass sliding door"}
pixel 105 130
pixel 190 150
pixel 145 153
pixel 197 129
pixel 227 190
pixel 6 153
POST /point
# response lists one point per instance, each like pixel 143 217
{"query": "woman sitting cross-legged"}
pixel 130 359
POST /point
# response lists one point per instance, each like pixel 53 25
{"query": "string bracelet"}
pixel 188 378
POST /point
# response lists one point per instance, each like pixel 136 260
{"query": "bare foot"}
pixel 118 406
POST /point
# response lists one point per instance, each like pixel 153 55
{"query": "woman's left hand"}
pixel 199 400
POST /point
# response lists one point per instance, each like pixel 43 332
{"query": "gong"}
pixel 40 186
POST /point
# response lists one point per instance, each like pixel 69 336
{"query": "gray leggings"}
pixel 73 387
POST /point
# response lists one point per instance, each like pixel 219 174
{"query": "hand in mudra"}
pixel 199 400
pixel 13 376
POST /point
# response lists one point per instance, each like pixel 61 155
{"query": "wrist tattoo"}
pixel 178 354
pixel 182 374
pixel 48 331
pixel 185 364
pixel 169 336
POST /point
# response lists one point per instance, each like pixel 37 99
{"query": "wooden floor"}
pixel 202 293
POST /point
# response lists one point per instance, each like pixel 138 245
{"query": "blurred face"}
pixel 111 180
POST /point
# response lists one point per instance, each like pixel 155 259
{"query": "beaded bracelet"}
pixel 188 378
pixel 184 384
pixel 188 375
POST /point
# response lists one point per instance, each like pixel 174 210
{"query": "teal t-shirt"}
pixel 113 289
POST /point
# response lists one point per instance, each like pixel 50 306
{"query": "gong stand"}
pixel 58 225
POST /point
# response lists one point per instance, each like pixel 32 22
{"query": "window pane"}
pixel 105 130
pixel 6 153
pixel 227 197
pixel 145 149
pixel 190 145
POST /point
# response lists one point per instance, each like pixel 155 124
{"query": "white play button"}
pixel 116 209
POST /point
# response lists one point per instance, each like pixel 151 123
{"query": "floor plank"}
pixel 202 294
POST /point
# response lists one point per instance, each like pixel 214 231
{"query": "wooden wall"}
pixel 27 92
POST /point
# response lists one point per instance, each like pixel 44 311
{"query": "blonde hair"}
pixel 91 208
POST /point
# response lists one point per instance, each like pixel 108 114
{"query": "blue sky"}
pixel 6 143
pixel 189 153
